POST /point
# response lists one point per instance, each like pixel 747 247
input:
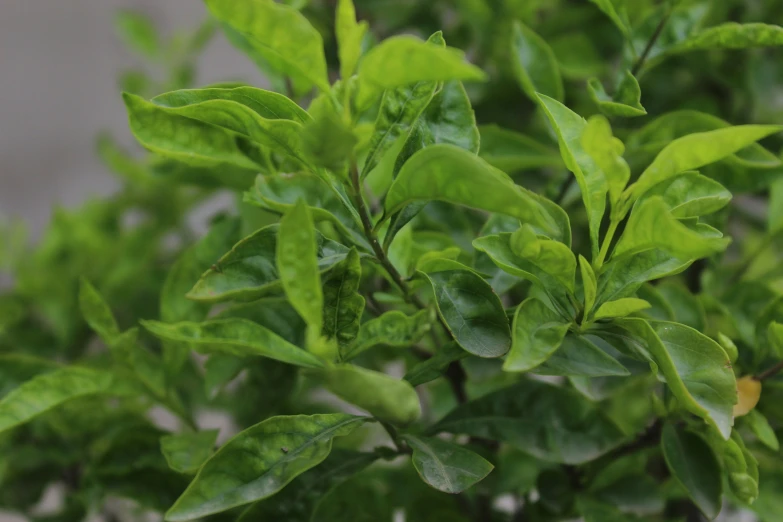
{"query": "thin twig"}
pixel 770 372
pixel 654 38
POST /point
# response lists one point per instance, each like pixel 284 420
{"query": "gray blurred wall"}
pixel 59 60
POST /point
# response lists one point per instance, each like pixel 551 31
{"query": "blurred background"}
pixel 59 67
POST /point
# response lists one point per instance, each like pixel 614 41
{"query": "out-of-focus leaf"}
pixel 186 452
pixel 446 466
pixel 534 64
pixel 511 151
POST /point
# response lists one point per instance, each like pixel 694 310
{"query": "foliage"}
pixel 496 260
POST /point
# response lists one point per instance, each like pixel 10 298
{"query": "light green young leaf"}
pixel 435 366
pixel 690 195
pixel 260 461
pixel 404 60
pixel 652 226
pixel 696 150
pixel 695 368
pixel 695 467
pixel 448 173
pixel 278 32
pixel 446 466
pixel 626 101
pixel 392 328
pixel 249 270
pixel 618 17
pixel 552 257
pixel 512 152
pixel 775 212
pixel 297 264
pixel 534 64
pixel 383 396
pixel 47 390
pixel 97 312
pixel 238 337
pixel 607 152
pixel 579 356
pixel 548 422
pixel 731 35
pixel 589 285
pixel 569 128
pixel 186 452
pixel 472 312
pixel 138 32
pixel 621 308
pixel 343 304
pixel 349 37
pixel 536 334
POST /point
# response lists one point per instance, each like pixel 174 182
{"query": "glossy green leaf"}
pixel 552 257
pixel 138 32
pixel 579 356
pixel 404 60
pixel 400 109
pixel 279 33
pixel 695 368
pixel 695 467
pixel 592 181
pixel 534 64
pixel 446 466
pixel 551 423
pixel 434 367
pixel 447 173
pixel 626 101
pixel 186 452
pixel 238 337
pixel 392 328
pixel 589 285
pixel 472 312
pixel 260 461
pixel 48 390
pixel 690 195
pixel 621 308
pixel 652 226
pixel 696 150
pixel 97 312
pixel 732 35
pixel 536 334
pixel 343 304
pixel 607 152
pixel 349 37
pixel 383 396
pixel 511 151
pixel 249 270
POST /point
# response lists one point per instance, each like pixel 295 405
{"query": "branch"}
pixel 770 372
pixel 654 38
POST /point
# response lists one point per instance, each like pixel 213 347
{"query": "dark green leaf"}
pixel 432 368
pixel 534 64
pixel 579 356
pixel 619 18
pixel 96 312
pixel 446 466
pixel 260 461
pixel 511 151
pixel 536 334
pixel 186 452
pixel 343 304
pixel 392 328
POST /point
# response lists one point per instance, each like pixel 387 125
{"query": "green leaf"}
pixel 404 60
pixel 381 395
pixel 446 466
pixel 537 334
pixel 186 452
pixel 145 365
pixel 621 308
pixel 435 366
pixel 695 467
pixel 512 152
pixel 552 257
pixel 690 195
pixel 534 64
pixel 48 390
pixel 349 37
pixel 775 211
pixel 400 109
pixel 623 276
pixel 238 337
pixel 279 33
pixel 138 32
pixel 569 128
pixel 696 150
pixel 687 308
pixel 96 312
pixel 260 461
pixel 249 270
pixel 392 328
pixel 626 102
pixel 652 226
pixel 343 304
pixel 447 173
pixel 589 285
pixel 761 428
pixel 551 423
pixel 694 366
pixel 328 141
pixel 472 312
pixel 579 356
pixel 731 35
pixel 607 152
pixel 618 17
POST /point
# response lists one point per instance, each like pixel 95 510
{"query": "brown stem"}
pixel 654 38
pixel 770 372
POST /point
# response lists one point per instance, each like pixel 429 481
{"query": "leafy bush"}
pixel 437 269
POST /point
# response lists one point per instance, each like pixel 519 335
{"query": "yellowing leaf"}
pixel 748 394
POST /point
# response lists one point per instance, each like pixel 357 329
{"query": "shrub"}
pixel 438 268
